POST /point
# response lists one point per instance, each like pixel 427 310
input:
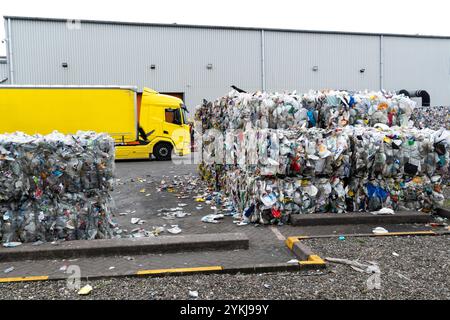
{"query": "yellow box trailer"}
pixel 157 125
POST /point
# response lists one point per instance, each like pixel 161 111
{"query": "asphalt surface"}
pixel 145 187
pixel 418 270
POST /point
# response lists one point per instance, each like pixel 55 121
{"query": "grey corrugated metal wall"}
pixel 4 72
pixel 418 64
pixel 105 53
pixel 290 58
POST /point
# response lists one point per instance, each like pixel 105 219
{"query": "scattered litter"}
pixel 267 286
pixel 142 191
pixel 182 214
pixel 436 225
pixel 371 267
pixel 112 268
pixel 193 294
pixel 63 268
pixel 212 218
pixel 384 211
pixel 123 213
pixel 395 254
pixel 141 233
pixel 174 230
pixel 293 261
pixel 380 230
pixel 341 238
pixel 87 289
pixel 12 244
pixel 8 270
pixel 135 220
pixel 158 230
pixel 241 223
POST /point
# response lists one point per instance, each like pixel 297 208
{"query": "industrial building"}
pixel 3 70
pixel 197 62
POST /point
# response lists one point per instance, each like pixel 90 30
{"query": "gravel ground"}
pixel 421 271
pixel 411 267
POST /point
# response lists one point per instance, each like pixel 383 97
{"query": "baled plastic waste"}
pixel 321 109
pixel 343 153
pixel 56 186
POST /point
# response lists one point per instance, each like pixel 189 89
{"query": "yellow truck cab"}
pixel 162 128
pixel 155 125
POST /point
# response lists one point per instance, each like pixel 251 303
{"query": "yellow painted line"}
pixel 179 270
pixel 313 260
pixel 22 279
pixel 316 259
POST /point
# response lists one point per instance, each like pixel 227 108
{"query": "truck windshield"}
pixel 183 111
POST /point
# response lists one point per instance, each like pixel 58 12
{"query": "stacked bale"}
pixel 55 186
pixel 330 161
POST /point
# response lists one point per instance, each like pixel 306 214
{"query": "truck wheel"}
pixel 163 151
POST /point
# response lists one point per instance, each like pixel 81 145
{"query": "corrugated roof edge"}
pixel 227 27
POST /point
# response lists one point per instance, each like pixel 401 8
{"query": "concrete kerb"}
pixel 442 212
pixel 373 235
pixel 239 241
pixel 308 259
pixel 353 218
pixel 91 248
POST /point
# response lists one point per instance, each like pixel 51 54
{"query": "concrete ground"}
pixel 146 187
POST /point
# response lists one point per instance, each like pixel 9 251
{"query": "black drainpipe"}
pixel 418 94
